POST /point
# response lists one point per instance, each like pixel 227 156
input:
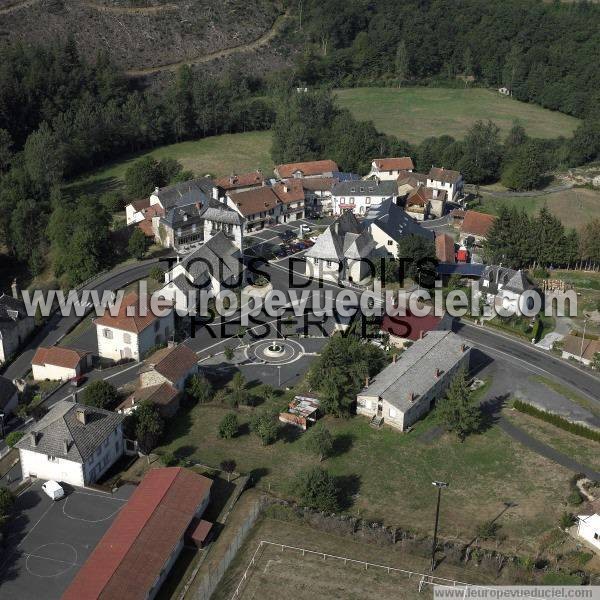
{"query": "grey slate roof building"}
pixel 70 431
pixel 344 238
pixel 218 257
pixel 407 389
pixel 219 213
pixel 365 188
pixel 185 193
pixel 393 220
pixel 496 278
pixel 11 311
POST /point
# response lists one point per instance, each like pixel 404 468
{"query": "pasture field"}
pixel 415 113
pixel 218 155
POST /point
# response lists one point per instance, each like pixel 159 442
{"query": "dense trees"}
pixel 341 370
pixel 543 52
pixel 100 394
pixel 518 240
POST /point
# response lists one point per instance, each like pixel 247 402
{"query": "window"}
pixel 351 200
pixel 329 263
pixel 368 200
pixel 108 334
pixel 390 242
pixel 52 459
pixel 353 190
pixel 362 189
pixel 127 338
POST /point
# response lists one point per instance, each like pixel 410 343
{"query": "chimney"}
pixel 411 396
pixel 437 373
pixel 66 446
pixel 421 334
pixel 463 347
pixel 81 416
pixel 34 438
pixel 435 193
pixel 366 382
pixel 156 190
pixel 286 189
pixel 15 289
pixel 394 358
pixel 171 344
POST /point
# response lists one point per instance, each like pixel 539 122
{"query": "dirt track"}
pixel 148 10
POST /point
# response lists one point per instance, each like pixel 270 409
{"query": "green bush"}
pixel 575 498
pixel 557 578
pixel 557 421
pixel 13 437
pixel 169 459
pixel 228 427
pixel 566 520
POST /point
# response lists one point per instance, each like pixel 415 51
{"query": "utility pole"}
pixel 582 341
pixel 439 485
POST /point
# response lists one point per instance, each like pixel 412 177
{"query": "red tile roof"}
pixel 311 167
pixel 317 184
pixel 129 558
pixel 173 363
pixel 60 357
pixel 162 394
pixel 133 323
pixel 290 191
pixel 476 223
pixel 403 163
pixel 255 201
pixel 410 326
pixel 444 248
pixel 233 182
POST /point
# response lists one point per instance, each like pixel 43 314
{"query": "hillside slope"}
pixel 142 36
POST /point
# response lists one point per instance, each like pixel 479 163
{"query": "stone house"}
pixel 446 180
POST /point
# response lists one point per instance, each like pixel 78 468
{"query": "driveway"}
pixel 48 542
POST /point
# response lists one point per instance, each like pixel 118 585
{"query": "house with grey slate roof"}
pixel 504 288
pixel 72 443
pixel 409 387
pixel 388 223
pixel 15 324
pixel 358 196
pixel 216 264
pixel 341 251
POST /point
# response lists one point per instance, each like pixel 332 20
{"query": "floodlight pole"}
pixel 439 485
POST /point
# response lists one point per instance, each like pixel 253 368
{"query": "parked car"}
pixel 53 489
pixel 287 234
pixel 78 381
pixel 305 228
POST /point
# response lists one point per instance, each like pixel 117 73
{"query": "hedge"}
pixel 557 421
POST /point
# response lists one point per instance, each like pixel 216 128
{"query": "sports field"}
pixel 415 113
pixel 218 155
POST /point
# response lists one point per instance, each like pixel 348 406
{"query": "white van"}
pixel 53 489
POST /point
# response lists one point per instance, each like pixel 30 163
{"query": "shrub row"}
pixel 557 421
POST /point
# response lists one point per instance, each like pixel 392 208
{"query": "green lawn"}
pixel 415 113
pixel 573 207
pixel 218 155
pixel 389 474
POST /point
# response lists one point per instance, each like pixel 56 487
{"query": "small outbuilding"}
pixel 588 529
pixel 302 412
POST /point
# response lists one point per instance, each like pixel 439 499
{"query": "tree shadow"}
pixel 257 474
pixel 184 452
pixel 243 429
pixel 490 411
pixel 342 443
pixel 289 433
pixel 348 486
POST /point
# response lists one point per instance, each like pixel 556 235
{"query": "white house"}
pixel 15 324
pixel 216 264
pixel 408 388
pixel 446 180
pixel 588 529
pixel 60 364
pixel 340 252
pixel 72 443
pixel 388 223
pixel 388 169
pixel 9 397
pixel 359 196
pixel 505 287
pixel 132 335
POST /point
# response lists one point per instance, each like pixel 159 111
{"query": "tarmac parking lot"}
pixel 48 541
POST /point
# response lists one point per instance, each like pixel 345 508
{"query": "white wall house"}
pixel 359 196
pixel 131 336
pixel 388 169
pixel 451 182
pixel 15 324
pixel 59 364
pixel 588 529
pixel 505 287
pixel 72 443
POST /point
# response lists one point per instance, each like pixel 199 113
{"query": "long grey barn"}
pixel 408 388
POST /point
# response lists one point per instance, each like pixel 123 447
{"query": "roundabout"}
pixel 275 351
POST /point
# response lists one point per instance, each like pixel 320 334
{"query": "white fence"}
pixel 424 579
